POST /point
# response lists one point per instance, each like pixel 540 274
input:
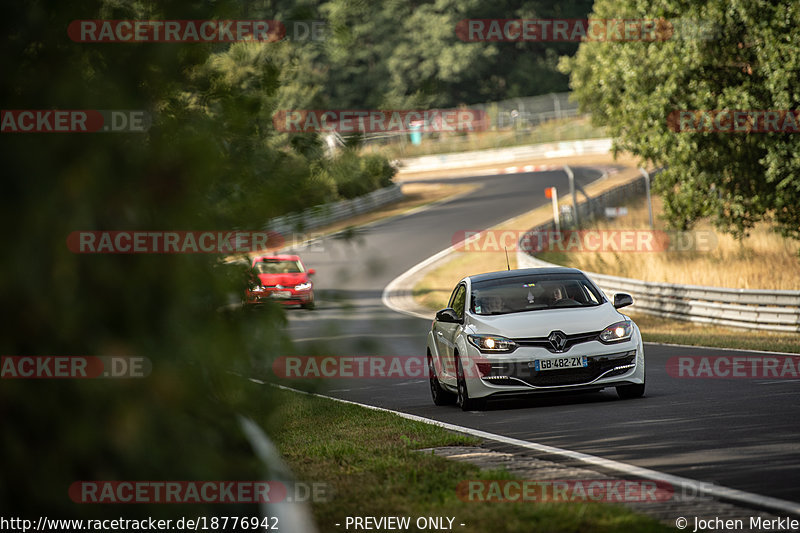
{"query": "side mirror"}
pixel 448 315
pixel 622 300
pixel 311 271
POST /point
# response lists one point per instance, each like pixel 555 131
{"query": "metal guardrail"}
pixel 501 156
pixel 756 309
pixel 769 310
pixel 321 215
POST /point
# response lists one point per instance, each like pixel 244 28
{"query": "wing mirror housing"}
pixel 448 315
pixel 622 300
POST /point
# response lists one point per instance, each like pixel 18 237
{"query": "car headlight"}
pixel 303 286
pixel 621 331
pixel 492 343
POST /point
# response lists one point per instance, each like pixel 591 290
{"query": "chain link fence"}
pixel 515 119
pixel 527 113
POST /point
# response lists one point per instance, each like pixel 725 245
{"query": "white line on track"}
pixel 723 493
pixel 726 349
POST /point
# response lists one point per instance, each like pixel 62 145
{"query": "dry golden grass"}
pixel 764 260
pixel 433 290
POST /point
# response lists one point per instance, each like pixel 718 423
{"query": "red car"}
pixel 280 278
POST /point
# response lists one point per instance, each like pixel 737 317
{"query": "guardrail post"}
pixel 556 106
pixel 571 177
pixel 647 190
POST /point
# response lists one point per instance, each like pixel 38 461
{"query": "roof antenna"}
pixel 508 266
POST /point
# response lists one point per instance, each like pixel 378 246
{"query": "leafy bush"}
pixel 355 175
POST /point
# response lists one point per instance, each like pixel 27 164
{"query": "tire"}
pixel 309 305
pixel 629 392
pixel 462 398
pixel 438 393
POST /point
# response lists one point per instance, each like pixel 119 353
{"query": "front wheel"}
pixel 438 393
pixel 462 399
pixel 309 304
pixel 629 392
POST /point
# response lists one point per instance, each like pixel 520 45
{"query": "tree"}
pixel 180 423
pixel 406 55
pixel 717 55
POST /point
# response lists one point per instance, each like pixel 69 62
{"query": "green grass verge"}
pixel 369 459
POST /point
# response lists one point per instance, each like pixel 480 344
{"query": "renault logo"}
pixel 557 340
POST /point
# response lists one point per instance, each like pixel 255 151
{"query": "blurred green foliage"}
pixel 202 166
pixel 212 160
pixel 724 54
pixel 407 54
pixel 355 175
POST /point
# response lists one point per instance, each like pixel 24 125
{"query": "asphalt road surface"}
pixel 739 433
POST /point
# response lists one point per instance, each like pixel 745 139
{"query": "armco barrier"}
pixel 505 155
pixel 321 215
pixel 770 310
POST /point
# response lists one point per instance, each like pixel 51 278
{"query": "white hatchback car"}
pixel 533 330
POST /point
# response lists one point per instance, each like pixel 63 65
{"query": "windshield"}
pixel 278 266
pixel 533 293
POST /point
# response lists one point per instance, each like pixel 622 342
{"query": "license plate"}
pixel 560 363
pixel 281 294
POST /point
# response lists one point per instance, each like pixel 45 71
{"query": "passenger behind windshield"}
pixel 277 267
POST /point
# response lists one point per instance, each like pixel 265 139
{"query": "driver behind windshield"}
pixel 558 294
pixel 487 305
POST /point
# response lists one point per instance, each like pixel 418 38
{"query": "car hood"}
pixel 541 323
pixel 286 280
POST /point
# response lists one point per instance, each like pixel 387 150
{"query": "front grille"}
pixel 572 340
pixel 505 373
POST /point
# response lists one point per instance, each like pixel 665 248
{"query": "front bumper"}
pixel 607 366
pixel 281 296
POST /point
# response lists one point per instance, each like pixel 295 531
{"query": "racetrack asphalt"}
pixel 739 433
